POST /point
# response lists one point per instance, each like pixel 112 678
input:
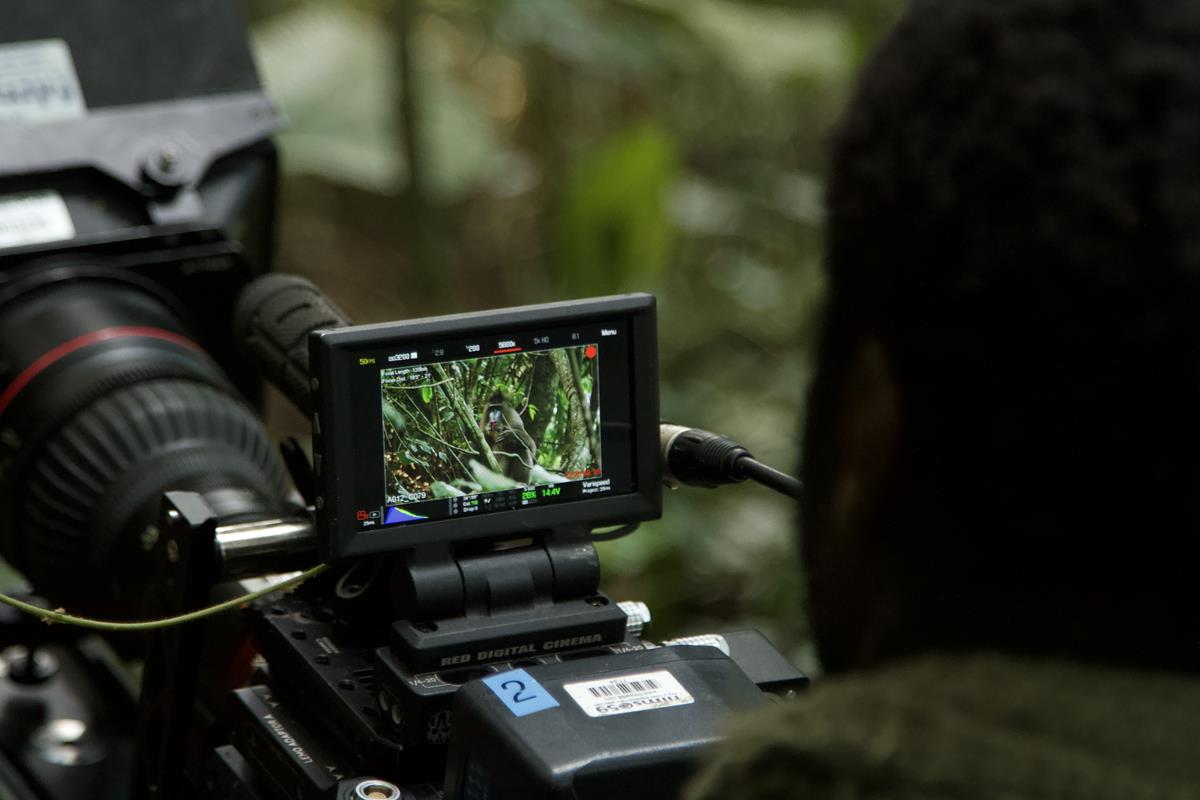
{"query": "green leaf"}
pixel 491 481
pixel 392 415
pixel 540 475
pixel 613 230
pixel 445 490
pixel 426 394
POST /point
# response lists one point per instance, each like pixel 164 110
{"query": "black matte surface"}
pixel 142 51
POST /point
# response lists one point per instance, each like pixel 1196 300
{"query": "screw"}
pixel 168 158
pixel 149 537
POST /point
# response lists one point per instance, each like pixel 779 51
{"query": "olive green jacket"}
pixel 982 727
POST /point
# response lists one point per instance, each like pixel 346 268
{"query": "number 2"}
pixel 517 694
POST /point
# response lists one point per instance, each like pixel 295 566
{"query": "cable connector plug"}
pixel 695 457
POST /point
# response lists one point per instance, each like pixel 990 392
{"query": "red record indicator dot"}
pixel 589 351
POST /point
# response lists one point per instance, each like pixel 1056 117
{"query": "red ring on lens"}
pixel 47 359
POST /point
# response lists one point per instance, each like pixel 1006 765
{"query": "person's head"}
pixel 1003 442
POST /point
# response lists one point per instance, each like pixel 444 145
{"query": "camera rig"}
pixel 458 645
pixel 471 652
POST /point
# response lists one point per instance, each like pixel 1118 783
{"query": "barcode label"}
pixel 38 82
pixel 626 694
pixel 624 687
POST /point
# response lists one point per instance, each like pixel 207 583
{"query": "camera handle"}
pixel 272 321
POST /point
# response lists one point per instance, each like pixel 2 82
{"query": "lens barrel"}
pixel 105 403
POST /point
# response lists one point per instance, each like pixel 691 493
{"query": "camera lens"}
pixel 105 403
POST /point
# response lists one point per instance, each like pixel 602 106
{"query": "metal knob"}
pixel 374 789
pixel 637 616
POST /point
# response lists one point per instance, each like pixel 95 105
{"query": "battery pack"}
pixel 633 725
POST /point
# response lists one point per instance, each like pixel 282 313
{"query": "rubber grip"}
pixel 272 320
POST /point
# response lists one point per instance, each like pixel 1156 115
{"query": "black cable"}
pixel 615 533
pixel 695 457
pixel 769 477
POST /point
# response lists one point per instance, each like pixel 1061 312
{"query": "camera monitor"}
pixel 487 425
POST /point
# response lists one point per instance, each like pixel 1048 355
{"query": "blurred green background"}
pixel 451 155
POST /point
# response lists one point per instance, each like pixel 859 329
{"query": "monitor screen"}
pixel 522 426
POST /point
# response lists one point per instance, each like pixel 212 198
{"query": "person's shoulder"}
pixel 976 726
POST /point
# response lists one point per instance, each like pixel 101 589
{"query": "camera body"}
pixel 137 199
pixel 130 148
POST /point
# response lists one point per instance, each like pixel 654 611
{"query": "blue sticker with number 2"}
pixel 520 692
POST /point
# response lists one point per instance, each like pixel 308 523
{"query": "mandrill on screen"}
pixel 514 449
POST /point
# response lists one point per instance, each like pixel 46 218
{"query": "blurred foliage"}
pixel 613 229
pixel 449 155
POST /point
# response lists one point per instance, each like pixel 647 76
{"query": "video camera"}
pixel 458 644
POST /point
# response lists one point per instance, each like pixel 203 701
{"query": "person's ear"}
pixel 854 605
pixel 867 437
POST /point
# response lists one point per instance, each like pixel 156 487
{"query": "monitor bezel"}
pixel 334 355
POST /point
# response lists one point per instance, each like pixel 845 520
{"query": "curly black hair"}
pixel 1014 215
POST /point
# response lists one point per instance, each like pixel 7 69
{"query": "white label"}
pixel 626 694
pixel 34 218
pixel 38 82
